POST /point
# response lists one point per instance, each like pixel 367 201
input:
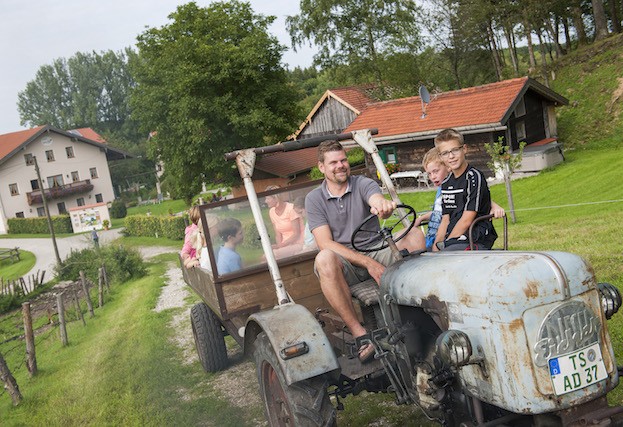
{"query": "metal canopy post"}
pixel 365 141
pixel 245 160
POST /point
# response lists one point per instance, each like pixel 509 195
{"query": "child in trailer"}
pixel 228 260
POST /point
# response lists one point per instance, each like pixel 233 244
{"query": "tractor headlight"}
pixel 610 299
pixel 454 348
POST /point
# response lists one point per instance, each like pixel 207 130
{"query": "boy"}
pixel 228 260
pixel 465 196
pixel 437 172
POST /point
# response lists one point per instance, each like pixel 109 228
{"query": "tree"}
pixel 360 33
pixel 504 161
pixel 209 82
pixel 601 23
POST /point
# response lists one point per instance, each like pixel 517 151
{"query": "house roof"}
pixel 355 98
pixel 477 108
pixel 12 143
pixel 286 164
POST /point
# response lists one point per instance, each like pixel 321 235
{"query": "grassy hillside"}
pixel 592 79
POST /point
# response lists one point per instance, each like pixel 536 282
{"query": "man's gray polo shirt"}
pixel 343 214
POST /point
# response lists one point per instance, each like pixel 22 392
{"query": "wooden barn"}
pixel 518 110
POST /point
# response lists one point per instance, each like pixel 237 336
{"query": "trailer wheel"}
pixel 305 403
pixel 209 339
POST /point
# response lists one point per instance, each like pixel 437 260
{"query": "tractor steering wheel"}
pixel 378 241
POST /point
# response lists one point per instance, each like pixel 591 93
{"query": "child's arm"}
pixel 424 217
pixel 441 231
pixel 496 210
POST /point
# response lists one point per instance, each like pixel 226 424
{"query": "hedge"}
pixel 171 227
pixel 39 225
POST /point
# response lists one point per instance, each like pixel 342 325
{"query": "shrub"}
pixel 118 209
pixel 39 225
pixel 171 227
pixel 121 264
pixel 251 236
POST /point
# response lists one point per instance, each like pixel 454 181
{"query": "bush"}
pixel 118 209
pixel 121 264
pixel 39 225
pixel 171 227
pixel 251 236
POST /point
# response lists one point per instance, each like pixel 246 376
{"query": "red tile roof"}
pixel 89 133
pixel 288 163
pixel 480 105
pixel 12 141
pixel 354 97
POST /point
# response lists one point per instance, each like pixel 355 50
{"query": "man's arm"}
pixel 422 218
pixel 380 206
pixel 324 240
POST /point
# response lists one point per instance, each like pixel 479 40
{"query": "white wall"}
pixel 86 156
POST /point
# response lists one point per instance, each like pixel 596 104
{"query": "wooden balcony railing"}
pixel 60 191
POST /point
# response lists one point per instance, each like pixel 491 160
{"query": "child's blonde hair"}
pixel 431 156
pixel 449 135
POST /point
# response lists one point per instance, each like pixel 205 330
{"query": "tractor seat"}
pixel 366 292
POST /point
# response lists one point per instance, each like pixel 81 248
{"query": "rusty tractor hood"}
pixel 508 304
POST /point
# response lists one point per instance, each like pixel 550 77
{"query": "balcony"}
pixel 60 192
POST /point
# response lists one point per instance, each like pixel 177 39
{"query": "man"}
pixel 334 210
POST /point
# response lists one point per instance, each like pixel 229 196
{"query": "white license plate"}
pixel 577 370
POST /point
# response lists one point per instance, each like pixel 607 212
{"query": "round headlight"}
pixel 454 348
pixel 610 299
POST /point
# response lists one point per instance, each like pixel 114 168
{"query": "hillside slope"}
pixel 592 79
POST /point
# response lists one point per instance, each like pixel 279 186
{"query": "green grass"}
pixel 10 270
pixel 163 208
pixel 137 242
pixel 121 369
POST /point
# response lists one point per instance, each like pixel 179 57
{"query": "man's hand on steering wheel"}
pixel 375 237
pixel 382 207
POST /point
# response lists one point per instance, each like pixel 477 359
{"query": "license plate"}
pixel 577 370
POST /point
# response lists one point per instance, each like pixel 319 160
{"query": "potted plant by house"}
pixel 106 224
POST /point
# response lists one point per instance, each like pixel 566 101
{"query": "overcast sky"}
pixel 35 32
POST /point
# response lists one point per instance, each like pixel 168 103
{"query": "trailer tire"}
pixel 305 403
pixel 209 339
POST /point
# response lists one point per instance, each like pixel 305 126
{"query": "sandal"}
pixel 366 352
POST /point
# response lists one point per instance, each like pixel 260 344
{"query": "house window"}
pixel 14 190
pixel 520 110
pixel 34 183
pixel 55 181
pixel 80 201
pixel 99 198
pixel 93 172
pixel 70 152
pixel 61 208
pixel 29 159
pixel 19 214
pixel 388 155
pixel 49 154
pixel 40 211
pixel 75 177
pixel 520 129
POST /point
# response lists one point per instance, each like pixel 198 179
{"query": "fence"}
pixel 69 294
pixel 23 285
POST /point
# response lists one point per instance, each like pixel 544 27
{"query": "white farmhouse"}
pixel 73 166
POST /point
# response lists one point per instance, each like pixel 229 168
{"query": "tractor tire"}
pixel 303 404
pixel 209 339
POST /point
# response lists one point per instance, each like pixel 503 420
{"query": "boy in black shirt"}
pixel 465 196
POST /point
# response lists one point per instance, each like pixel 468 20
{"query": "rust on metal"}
pixel 531 290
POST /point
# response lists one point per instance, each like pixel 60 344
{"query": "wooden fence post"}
pixel 100 288
pixel 9 382
pixel 85 289
pixel 61 318
pixel 31 358
pixel 105 277
pixel 78 307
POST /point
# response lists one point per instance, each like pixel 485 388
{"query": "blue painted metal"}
pixel 500 300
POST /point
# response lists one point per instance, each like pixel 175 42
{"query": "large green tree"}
pixel 209 82
pixel 357 33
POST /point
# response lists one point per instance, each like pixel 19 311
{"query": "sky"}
pixel 35 32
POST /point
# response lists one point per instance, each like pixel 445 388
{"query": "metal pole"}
pixel 47 211
pixel 245 160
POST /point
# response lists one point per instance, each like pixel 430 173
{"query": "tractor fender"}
pixel 287 325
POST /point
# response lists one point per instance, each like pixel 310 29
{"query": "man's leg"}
pixel 336 290
pixel 413 241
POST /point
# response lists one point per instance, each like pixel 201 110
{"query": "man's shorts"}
pixel 355 274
